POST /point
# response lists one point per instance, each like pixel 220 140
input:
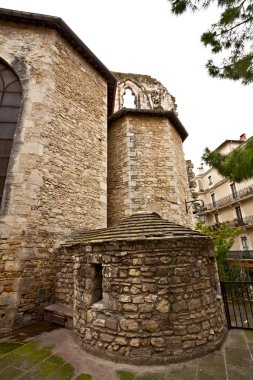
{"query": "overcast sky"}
pixel 141 36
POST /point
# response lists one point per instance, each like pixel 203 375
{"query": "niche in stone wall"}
pixel 96 286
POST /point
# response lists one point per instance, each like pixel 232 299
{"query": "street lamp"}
pixel 198 202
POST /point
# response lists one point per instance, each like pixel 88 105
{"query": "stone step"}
pixel 60 314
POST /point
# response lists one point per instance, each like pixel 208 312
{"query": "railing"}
pixel 246 254
pixel 238 222
pixel 237 195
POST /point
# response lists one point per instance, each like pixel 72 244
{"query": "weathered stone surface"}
pixel 158 342
pixel 142 151
pixel 120 341
pixel 111 323
pixel 125 298
pixel 44 194
pixel 129 325
pixel 163 306
pixel 150 325
pixel 194 304
pixel 106 337
pixel 180 306
pixel 163 320
pixel 135 342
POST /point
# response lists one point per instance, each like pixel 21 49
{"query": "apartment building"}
pixel 226 201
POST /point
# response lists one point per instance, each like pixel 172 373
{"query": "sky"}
pixel 142 36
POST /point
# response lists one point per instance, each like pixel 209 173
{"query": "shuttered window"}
pixel 10 100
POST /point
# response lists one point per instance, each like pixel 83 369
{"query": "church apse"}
pixel 146 165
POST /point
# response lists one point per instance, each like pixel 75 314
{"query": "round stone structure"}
pixel 146 291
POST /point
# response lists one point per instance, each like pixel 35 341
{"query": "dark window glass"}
pixel 244 243
pixel 3 165
pixel 5 148
pixel 10 100
pixel 238 213
pixel 9 114
pixel 7 130
pixel 233 190
pixel 213 200
pixel 217 218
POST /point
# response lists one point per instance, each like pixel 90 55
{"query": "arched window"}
pixel 129 100
pixel 10 99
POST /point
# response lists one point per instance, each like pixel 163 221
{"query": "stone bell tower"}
pixel 146 165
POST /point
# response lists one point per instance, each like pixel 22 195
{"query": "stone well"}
pixel 146 291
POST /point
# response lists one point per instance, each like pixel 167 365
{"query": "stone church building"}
pixel 73 158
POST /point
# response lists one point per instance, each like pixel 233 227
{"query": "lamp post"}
pixel 198 202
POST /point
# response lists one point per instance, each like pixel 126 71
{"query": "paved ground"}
pixel 31 354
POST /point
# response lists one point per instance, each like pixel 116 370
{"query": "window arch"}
pixel 129 100
pixel 10 100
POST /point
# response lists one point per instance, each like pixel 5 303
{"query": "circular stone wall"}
pixel 159 299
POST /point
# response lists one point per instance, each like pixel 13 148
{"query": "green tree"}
pixel 223 239
pixel 237 166
pixel 231 35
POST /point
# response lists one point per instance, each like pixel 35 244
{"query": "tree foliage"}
pixel 232 34
pixel 237 166
pixel 223 239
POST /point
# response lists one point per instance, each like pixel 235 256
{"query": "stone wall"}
pixel 57 172
pixel 146 169
pixel 148 92
pixel 160 302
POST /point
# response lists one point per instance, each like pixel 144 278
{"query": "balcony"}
pixel 238 222
pixel 234 197
pixel 247 254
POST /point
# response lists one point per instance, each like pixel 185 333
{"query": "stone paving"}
pixel 31 354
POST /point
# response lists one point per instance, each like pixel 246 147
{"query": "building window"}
pixel 244 243
pixel 233 190
pixel 216 216
pixel 210 181
pixel 10 99
pixel 238 214
pixel 129 100
pixel 97 290
pixel 213 200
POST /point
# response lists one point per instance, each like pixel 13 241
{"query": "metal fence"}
pixel 237 293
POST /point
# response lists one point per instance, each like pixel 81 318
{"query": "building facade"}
pixel 68 161
pixel 226 201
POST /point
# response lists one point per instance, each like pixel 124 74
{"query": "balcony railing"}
pixel 237 195
pixel 238 222
pixel 246 254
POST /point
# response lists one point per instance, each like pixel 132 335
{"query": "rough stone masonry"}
pixel 145 291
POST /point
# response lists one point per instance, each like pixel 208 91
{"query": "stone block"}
pixel 106 337
pixel 129 307
pixel 146 307
pixel 138 299
pixel 163 306
pixel 135 342
pixel 180 306
pixel 129 325
pixel 111 323
pixel 158 342
pixel 194 328
pixel 99 322
pixel 149 325
pixel 149 288
pixel 125 298
pixel 194 303
pixel 134 272
pixel 121 341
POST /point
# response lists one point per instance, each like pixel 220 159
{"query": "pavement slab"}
pixel 55 355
